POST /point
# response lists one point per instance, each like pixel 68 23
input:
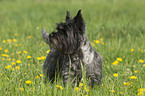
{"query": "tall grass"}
pixel 115 29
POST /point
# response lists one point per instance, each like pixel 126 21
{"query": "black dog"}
pixel 70 49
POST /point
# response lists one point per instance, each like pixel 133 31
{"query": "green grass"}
pixel 120 24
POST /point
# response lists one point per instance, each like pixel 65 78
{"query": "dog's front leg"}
pixel 68 74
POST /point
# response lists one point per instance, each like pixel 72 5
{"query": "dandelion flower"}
pixel 101 39
pixel 6 51
pixel 115 75
pixel 29 82
pixel 19 61
pixel 28 64
pixel 38 58
pixel 141 91
pixel 126 84
pixel 119 59
pixel 97 41
pixel 47 51
pixel 92 44
pixel 36 77
pixel 4 55
pixel 57 86
pixel 81 84
pixel 4 41
pixel 132 50
pixel 143 64
pixel 9 66
pixel 43 57
pixel 25 52
pixel 136 71
pixel 14 40
pixel 8 78
pixel 9 41
pixel 115 62
pixel 17 67
pixel 16 45
pixel 76 88
pixel 29 37
pixel 21 89
pixel 133 77
pixel 60 87
pixel 141 61
pixel 1 48
pixel 112 91
pixel 28 57
pixel 41 75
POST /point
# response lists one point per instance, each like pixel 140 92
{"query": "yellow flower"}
pixel 119 59
pixel 60 87
pixel 115 62
pixel 9 66
pixel 25 73
pixel 101 39
pixel 1 74
pixel 141 61
pixel 8 78
pixel 14 40
pixel 36 77
pixel 29 82
pixel 57 86
pixel 25 52
pixel 28 57
pixel 19 61
pixel 16 34
pixel 126 84
pixel 21 89
pixel 43 57
pixel 18 52
pixel 4 41
pixel 6 51
pixel 40 44
pixel 115 74
pixel 136 71
pixel 20 80
pixel 4 55
pixel 133 77
pixel 1 48
pixel 9 40
pixel 8 59
pixel 13 63
pixel 143 64
pixel 92 44
pixel 76 88
pixel 41 75
pixel 29 37
pixel 132 50
pixel 28 64
pixel 47 51
pixel 17 67
pixel 141 91
pixel 87 90
pixel 38 58
pixel 81 84
pixel 112 91
pixel 97 41
pixel 16 45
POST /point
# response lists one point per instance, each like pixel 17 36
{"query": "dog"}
pixel 70 51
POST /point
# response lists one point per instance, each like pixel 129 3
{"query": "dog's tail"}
pixel 45 35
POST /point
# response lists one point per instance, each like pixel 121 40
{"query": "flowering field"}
pixel 116 29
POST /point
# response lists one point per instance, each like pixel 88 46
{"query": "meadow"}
pixel 115 28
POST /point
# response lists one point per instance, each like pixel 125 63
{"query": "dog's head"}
pixel 69 35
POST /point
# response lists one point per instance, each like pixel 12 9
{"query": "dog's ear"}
pixel 45 35
pixel 68 16
pixel 79 22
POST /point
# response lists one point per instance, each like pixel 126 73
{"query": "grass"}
pixel 117 25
